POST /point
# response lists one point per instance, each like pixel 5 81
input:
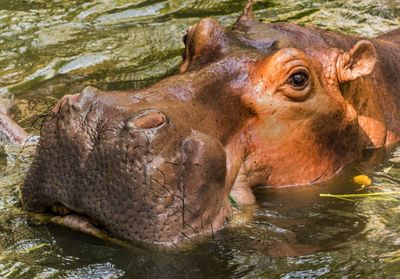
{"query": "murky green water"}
pixel 51 48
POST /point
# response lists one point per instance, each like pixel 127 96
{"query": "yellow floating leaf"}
pixel 362 180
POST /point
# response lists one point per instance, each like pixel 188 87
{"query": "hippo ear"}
pixel 359 61
pixel 247 11
pixel 205 42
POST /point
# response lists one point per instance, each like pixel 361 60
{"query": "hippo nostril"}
pixel 147 119
pixel 89 92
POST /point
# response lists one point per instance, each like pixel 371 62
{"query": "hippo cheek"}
pixel 182 193
pixel 203 178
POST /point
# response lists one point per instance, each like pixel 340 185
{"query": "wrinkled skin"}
pixel 259 104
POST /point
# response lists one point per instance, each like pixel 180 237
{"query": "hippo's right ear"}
pixel 359 61
pixel 205 42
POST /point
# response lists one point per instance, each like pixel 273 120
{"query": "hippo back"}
pixel 392 36
pixel 388 49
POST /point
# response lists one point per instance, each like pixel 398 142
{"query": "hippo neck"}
pixel 376 104
pixel 362 95
pixel 385 74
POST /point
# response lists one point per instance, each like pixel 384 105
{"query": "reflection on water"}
pixel 51 48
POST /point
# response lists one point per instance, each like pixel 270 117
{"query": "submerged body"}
pixel 260 104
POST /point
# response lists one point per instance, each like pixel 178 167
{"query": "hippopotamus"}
pixel 257 104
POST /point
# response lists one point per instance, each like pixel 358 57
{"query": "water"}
pixel 52 48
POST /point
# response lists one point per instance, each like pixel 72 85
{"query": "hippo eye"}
pixel 298 80
pixel 298 85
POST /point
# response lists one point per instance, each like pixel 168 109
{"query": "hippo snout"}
pixel 134 170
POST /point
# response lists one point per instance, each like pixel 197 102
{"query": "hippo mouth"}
pixel 135 173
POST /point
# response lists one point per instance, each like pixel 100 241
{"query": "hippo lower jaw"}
pixel 60 215
pixel 131 172
pixel 63 216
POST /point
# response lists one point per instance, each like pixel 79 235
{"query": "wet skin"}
pixel 259 104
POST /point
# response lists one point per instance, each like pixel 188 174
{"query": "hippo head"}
pixel 257 104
